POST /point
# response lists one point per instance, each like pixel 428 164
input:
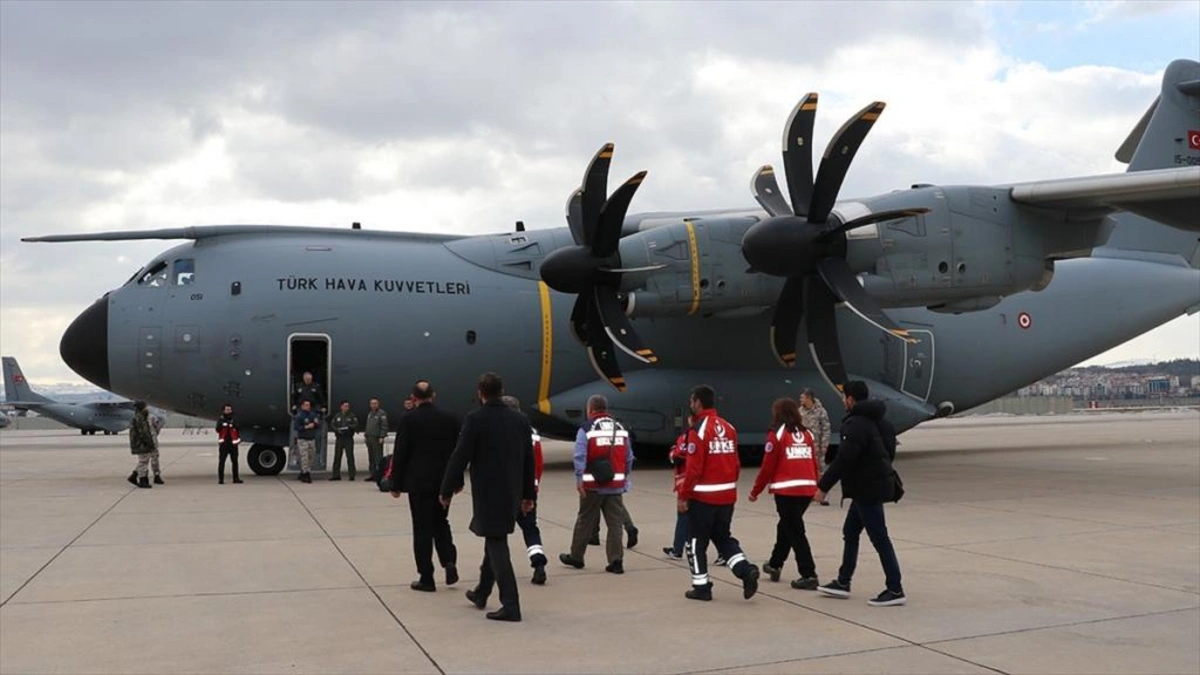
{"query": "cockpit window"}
pixel 185 272
pixel 155 275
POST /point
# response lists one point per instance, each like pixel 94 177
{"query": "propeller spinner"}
pixel 592 270
pixel 806 242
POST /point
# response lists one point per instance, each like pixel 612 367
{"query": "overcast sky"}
pixel 466 117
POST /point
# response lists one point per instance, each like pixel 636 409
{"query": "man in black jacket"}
pixel 497 442
pixel 425 439
pixel 864 466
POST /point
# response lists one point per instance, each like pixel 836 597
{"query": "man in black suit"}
pixel 497 442
pixel 425 439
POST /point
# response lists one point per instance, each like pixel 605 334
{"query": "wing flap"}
pixel 1171 196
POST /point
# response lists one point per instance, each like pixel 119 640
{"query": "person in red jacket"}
pixel 228 440
pixel 678 458
pixel 528 521
pixel 708 493
pixel 790 470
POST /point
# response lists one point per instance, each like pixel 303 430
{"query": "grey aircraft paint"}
pixel 110 417
pixel 994 293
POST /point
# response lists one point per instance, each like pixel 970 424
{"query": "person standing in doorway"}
pixel 345 425
pixel 228 438
pixel 306 423
pixel 308 390
pixel 496 443
pixel 375 434
pixel 425 439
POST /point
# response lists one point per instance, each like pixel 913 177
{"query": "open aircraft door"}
pixel 910 365
pixel 312 352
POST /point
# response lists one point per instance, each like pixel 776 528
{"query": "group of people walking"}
pixel 502 452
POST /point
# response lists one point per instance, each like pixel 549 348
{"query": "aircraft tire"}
pixel 267 460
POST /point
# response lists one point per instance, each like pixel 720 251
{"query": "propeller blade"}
pixel 600 350
pixel 785 322
pixel 880 217
pixel 797 153
pixel 575 216
pixel 765 189
pixel 595 189
pixel 820 323
pixel 836 161
pixel 842 281
pixel 612 217
pixel 632 270
pixel 618 327
pixel 579 316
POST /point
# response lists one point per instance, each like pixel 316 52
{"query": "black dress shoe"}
pixel 539 575
pixel 566 559
pixel 632 541
pixel 505 614
pixel 480 601
pixel 615 567
pixel 422 585
pixel 451 575
pixel 238 480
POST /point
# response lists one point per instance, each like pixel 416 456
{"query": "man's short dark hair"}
pixel 344 402
pixel 597 403
pixel 422 390
pixel 491 386
pixel 857 390
pixel 705 395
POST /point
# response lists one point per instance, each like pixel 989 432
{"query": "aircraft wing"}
pixel 1170 196
pixel 111 405
pixel 198 232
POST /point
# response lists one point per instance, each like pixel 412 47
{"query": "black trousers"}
pixel 533 537
pixel 497 570
pixel 431 529
pixel 345 445
pixel 709 522
pixel 231 451
pixel 790 535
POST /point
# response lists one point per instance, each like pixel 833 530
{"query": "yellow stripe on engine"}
pixel 543 402
pixel 695 256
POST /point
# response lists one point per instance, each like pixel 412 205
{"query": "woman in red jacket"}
pixel 790 470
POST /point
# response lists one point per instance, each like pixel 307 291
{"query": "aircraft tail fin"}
pixel 16 388
pixel 1168 134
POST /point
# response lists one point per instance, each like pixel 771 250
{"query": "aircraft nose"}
pixel 84 347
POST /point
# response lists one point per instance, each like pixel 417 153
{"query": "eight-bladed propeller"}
pixel 806 242
pixel 592 269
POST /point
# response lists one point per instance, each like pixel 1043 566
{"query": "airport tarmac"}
pixel 1029 545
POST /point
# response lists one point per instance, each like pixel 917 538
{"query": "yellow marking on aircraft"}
pixel 695 255
pixel 543 403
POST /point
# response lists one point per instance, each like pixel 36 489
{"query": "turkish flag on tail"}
pixel 1194 140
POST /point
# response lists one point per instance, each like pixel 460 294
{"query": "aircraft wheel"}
pixel 83 432
pixel 267 460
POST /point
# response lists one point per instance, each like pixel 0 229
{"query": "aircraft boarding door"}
pixel 917 377
pixel 310 352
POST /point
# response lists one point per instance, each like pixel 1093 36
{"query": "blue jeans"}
pixel 681 533
pixel 869 516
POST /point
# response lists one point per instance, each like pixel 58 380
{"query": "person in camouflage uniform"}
pixel 344 424
pixel 143 444
pixel 306 423
pixel 816 420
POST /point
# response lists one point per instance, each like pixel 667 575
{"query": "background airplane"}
pixel 989 288
pixel 110 417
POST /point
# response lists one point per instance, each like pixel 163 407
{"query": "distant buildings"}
pixel 1096 383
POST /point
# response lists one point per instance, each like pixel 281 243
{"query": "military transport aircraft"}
pixel 110 417
pixel 989 288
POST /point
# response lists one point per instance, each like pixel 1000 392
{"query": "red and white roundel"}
pixel 1024 320
pixel 18 378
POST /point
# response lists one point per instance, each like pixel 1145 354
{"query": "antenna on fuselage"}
pixel 356 226
pixel 520 226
